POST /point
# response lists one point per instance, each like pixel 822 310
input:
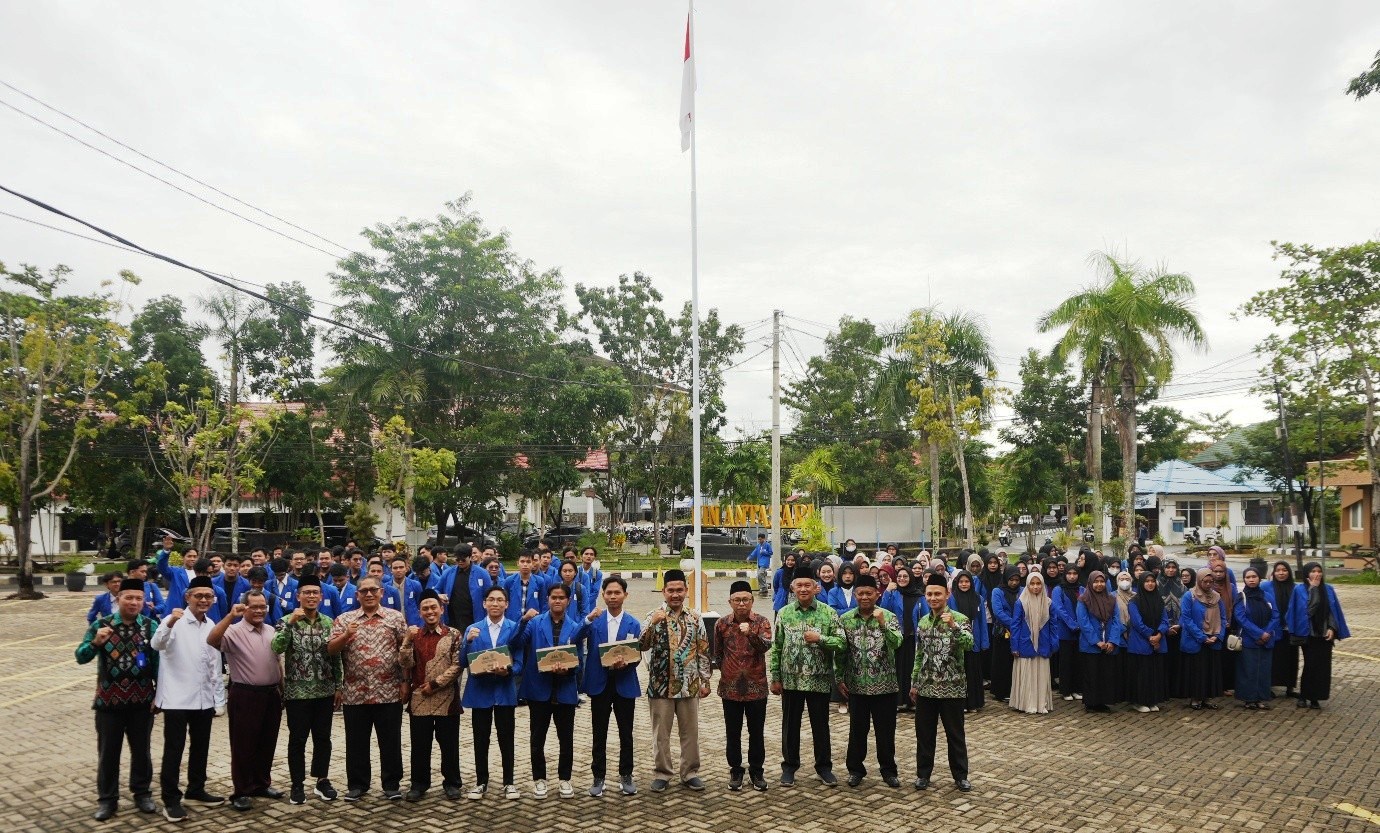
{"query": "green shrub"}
pixel 509 546
pixel 73 564
pixel 598 540
pixel 361 520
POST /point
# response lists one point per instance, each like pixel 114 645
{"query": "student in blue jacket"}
pixel 780 594
pixel 611 690
pixel 526 589
pixel 1255 614
pixel 966 598
pixel 590 575
pixel 552 695
pixel 580 597
pixel 1003 606
pixel 1099 635
pixel 1203 616
pixel 491 696
pixel 1063 603
pixel 1316 621
pixel 1147 643
pixel 841 598
pixel 108 602
pixel 1032 643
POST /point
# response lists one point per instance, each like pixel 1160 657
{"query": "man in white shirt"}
pixel 189 687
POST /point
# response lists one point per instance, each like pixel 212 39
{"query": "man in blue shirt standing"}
pixel 762 555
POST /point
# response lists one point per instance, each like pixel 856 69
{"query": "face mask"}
pixel 851 548
pixel 1124 584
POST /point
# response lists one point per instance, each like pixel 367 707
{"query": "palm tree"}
pixel 817 474
pixel 1123 328
pixel 231 316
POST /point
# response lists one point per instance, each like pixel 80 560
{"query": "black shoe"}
pixel 1315 705
pixel 1302 704
pixel 393 795
pixel 854 779
pixel 891 781
pixel 659 784
pixel 269 792
pixel 788 778
pixel 172 811
pixel 204 798
pixel 453 793
pixel 241 802
pixel 922 783
pixel 324 790
pixel 414 795
pixel 297 795
pixel 145 804
pixel 735 781
pixel 105 811
pixel 759 783
pixel 694 782
pixel 354 794
pixel 827 776
pixel 963 784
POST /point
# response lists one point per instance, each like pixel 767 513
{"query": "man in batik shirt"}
pixel 939 685
pixel 866 671
pixel 678 672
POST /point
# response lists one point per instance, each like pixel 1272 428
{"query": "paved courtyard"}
pixel 1231 770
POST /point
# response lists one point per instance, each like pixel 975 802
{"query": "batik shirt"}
pixel 128 669
pixel 741 658
pixel 678 664
pixel 796 664
pixel 309 671
pixel 868 664
pixel 939 656
pixel 373 674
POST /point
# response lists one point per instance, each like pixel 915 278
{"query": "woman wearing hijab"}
pixel 1124 595
pixel 1284 665
pixel 906 599
pixel 1099 634
pixel 1147 642
pixel 988 580
pixel 1003 604
pixel 1172 591
pixel 966 599
pixel 1258 619
pixel 1032 642
pixel 1316 620
pixel 1088 564
pixel 1204 621
pixel 841 597
pixel 1064 610
pixel 780 582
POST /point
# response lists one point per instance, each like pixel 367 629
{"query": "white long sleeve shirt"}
pixel 189 669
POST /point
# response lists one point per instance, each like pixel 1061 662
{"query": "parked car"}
pixel 556 537
pixel 708 535
pixel 456 534
pixel 180 541
pixel 338 534
pixel 220 538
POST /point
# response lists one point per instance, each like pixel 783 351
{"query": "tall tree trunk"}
pixel 1372 443
pixel 936 522
pixel 961 458
pixel 1095 456
pixel 136 545
pixel 23 527
pixel 1129 453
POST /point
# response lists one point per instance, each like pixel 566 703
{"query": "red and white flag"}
pixel 687 91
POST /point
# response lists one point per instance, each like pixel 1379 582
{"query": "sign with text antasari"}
pixel 753 514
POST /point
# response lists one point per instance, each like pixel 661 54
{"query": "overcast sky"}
pixel 858 158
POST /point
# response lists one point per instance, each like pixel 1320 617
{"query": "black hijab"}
pixel 1150 604
pixel 846 567
pixel 968 603
pixel 991 579
pixel 1257 606
pixel 1284 590
pixel 911 596
pixel 1172 586
pixel 1090 566
pixel 1006 589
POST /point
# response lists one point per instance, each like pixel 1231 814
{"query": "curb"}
pixel 45 581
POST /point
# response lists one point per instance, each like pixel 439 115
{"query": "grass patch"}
pixel 1363 577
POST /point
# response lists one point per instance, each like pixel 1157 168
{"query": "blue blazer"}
pixel 1022 644
pixel 102 605
pixel 1191 622
pixel 780 593
pixel 412 599
pixel 593 580
pixel 597 677
pixel 540 686
pixel 1002 612
pixel 519 604
pixel 1091 631
pixel 484 691
pixel 1139 633
pixel 1064 611
pixel 1298 612
pixel 839 603
pixel 1250 631
pixel 982 636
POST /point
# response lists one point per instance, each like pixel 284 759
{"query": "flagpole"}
pixel 695 504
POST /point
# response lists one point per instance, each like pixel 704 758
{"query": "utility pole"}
pixel 776 435
pixel 1288 469
pixel 1322 474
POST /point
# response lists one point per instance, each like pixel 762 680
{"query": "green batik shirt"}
pixel 868 664
pixel 939 656
pixel 309 672
pixel 796 664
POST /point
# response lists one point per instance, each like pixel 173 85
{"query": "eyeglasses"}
pixel 369 590
pixel 741 600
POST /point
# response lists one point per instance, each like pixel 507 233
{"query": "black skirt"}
pixel 1203 674
pixel 972 667
pixel 1284 665
pixel 1070 668
pixel 1001 664
pixel 1145 682
pixel 1316 682
pixel 1173 667
pixel 1228 659
pixel 1099 680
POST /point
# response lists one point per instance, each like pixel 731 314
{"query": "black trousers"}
pixel 540 716
pixel 1070 668
pixel 483 721
pixel 754 712
pixel 1316 681
pixel 929 711
pixel 309 719
pixel 255 714
pixel 113 726
pixel 875 712
pixel 445 730
pixel 178 725
pixel 384 722
pixel 623 710
pixel 793 705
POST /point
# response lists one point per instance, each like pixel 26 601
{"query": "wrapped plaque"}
pixel 628 650
pixel 491 660
pixel 558 657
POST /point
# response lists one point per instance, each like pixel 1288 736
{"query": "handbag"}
pixel 1234 639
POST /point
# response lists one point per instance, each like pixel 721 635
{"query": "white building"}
pixel 1176 497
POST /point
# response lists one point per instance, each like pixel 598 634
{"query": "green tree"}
pixel 278 345
pixel 1367 82
pixel 1123 328
pixel 160 332
pixel 817 475
pixel 58 353
pixel 407 473
pixel 298 468
pixel 1048 433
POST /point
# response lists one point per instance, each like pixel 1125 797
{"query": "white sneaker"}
pixel 511 792
pixel 1068 698
pixel 539 788
pixel 1078 697
pixel 477 792
pixel 1154 708
pixel 567 790
pixel 1143 709
pixel 843 708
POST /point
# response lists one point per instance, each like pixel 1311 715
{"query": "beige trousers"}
pixel 685 712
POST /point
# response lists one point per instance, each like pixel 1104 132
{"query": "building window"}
pixel 1204 513
pixel 1354 517
pixel 1259 512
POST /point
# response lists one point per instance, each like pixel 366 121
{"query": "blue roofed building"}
pixel 1229 504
